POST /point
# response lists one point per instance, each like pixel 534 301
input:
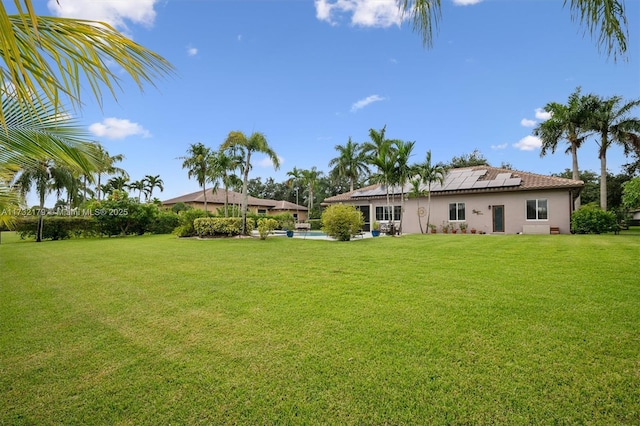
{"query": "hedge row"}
pixel 219 226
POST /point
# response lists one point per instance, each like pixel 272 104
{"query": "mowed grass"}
pixel 422 329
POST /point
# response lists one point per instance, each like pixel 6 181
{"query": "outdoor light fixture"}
pixel 489 207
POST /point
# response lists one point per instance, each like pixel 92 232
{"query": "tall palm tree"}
pixel 613 121
pixel 106 165
pixel 385 162
pixel 603 19
pixel 257 142
pixel 429 174
pixel 350 163
pixel 295 177
pixel 46 176
pixel 118 182
pixel 417 192
pixel 568 122
pixel 153 182
pixel 227 162
pixel 198 163
pixel 81 51
pixel 402 170
pixel 310 179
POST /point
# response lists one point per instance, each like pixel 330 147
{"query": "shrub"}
pixel 285 220
pixel 316 224
pixel 265 226
pixel 217 226
pixel 341 221
pixel 591 219
pixel 164 223
pixel 56 227
pixel 179 207
pixel 186 218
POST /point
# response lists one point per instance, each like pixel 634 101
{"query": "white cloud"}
pixel 541 114
pixel 267 163
pixel 528 123
pixel 501 146
pixel 365 13
pixel 114 13
pixel 366 101
pixel 118 128
pixel 192 51
pixel 528 143
pixel 239 37
pixel 465 2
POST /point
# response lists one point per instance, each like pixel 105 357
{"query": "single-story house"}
pixel 489 199
pixel 216 200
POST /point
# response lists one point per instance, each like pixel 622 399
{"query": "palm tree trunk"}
pixel 603 179
pixel 204 194
pixel 576 172
pixel 245 194
pixel 226 200
pixel 39 232
pixel 428 206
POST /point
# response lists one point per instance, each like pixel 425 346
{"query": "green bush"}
pixel 591 219
pixel 217 226
pixel 316 224
pixel 285 220
pixel 186 218
pixel 179 207
pixel 265 226
pixel 56 227
pixel 341 221
pixel 164 223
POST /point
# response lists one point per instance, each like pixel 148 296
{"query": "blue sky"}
pixel 311 74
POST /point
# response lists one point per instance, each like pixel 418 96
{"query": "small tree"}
pixel 266 226
pixel 631 193
pixel 341 221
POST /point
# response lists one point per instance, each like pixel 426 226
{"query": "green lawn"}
pixel 433 329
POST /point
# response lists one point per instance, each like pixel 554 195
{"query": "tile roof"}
pixel 485 180
pixel 218 197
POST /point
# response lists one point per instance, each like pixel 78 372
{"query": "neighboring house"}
pixel 485 198
pixel 215 202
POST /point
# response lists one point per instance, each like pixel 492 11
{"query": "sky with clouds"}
pixel 312 74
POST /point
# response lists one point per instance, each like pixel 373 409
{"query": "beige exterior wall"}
pixel 479 215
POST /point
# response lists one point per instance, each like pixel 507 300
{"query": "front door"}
pixel 498 218
pixel 365 213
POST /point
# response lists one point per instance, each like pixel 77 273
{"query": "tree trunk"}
pixel 39 231
pixel 204 194
pixel 245 194
pixel 576 173
pixel 603 180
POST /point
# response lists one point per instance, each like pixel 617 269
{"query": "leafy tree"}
pixel 568 122
pixel 351 162
pixel 257 142
pixel 603 19
pixel 429 174
pixel 138 185
pixel 613 122
pixel 591 190
pixel 198 163
pixel 631 193
pixel 342 221
pixel 475 158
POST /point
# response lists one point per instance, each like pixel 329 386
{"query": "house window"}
pixel 537 209
pixel 262 211
pixel 383 213
pixel 456 212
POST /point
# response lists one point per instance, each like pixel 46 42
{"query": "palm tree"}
pixel 568 122
pixel 350 163
pixel 82 51
pixel 119 183
pixel 106 165
pixel 612 120
pixel 429 174
pixel 140 186
pixel 46 176
pixel 198 163
pixel 603 19
pixel 385 162
pixel 293 182
pixel 403 170
pixel 310 180
pixel 153 182
pixel 257 142
pixel 226 162
pixel 417 192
